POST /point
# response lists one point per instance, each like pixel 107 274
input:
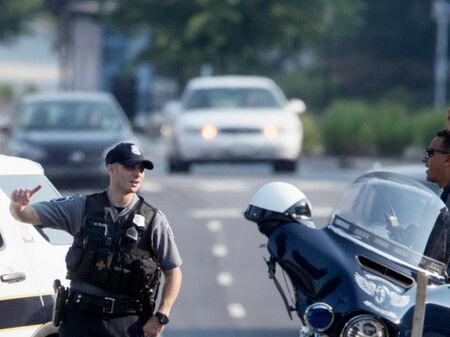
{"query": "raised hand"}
pixel 22 196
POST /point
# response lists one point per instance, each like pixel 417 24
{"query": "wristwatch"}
pixel 163 319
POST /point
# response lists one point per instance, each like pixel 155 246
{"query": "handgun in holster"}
pixel 148 304
pixel 60 303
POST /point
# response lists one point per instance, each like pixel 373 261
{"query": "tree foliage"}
pixel 14 14
pixel 233 36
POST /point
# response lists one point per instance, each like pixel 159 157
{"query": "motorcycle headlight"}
pixel 365 326
pixel 319 316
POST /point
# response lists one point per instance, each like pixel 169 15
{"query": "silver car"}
pixel 68 132
pixel 235 119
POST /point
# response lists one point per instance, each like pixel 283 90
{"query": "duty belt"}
pixel 104 305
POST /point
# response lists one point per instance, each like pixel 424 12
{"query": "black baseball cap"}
pixel 127 154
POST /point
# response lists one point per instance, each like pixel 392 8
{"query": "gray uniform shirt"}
pixel 67 214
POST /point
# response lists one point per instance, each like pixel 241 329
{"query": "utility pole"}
pixel 440 12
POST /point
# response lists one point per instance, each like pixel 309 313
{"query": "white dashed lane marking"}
pixel 214 226
pixel 224 279
pixel 236 310
pixel 219 250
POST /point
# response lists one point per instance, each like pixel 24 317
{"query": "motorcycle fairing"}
pixel 346 269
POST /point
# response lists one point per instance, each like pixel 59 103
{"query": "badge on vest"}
pixel 139 220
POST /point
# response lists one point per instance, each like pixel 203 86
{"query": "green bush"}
pixel 31 89
pixel 358 128
pixel 387 128
pixel 315 85
pixel 347 128
pixel 425 124
pixel 6 92
pixel 392 128
pixel 399 95
pixel 312 138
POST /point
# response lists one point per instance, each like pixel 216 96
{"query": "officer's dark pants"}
pixel 84 324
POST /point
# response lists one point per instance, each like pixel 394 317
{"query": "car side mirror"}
pixel 296 105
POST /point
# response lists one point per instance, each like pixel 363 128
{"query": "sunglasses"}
pixel 429 152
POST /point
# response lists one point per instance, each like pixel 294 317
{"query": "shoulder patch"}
pixel 168 228
pixel 165 224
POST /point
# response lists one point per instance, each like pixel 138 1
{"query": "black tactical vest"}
pixel 114 255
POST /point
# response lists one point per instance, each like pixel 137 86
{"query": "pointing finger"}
pixel 34 190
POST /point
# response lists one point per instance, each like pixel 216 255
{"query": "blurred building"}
pixel 30 59
pixel 97 57
pixel 79 52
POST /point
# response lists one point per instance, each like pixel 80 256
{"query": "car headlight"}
pixel 319 316
pixel 208 132
pixel 270 131
pixel 365 326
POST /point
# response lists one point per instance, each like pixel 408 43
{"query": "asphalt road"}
pixel 226 290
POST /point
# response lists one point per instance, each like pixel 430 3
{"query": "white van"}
pixel 31 258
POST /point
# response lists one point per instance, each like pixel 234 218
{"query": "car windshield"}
pixel 68 115
pixel 214 98
pixel 9 183
pixel 396 216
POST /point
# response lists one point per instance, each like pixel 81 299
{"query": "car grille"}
pixel 61 155
pixel 235 131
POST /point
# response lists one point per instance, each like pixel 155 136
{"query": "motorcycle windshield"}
pixel 396 216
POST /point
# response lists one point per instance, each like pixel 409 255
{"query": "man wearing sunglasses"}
pixel 437 160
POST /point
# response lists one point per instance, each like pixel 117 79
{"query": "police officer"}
pixel 120 245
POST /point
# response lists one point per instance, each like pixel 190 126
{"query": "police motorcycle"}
pixel 360 275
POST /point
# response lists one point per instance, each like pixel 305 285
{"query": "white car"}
pixel 235 119
pixel 31 258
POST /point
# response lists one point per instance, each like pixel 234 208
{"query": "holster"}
pixel 148 296
pixel 60 303
pixel 148 305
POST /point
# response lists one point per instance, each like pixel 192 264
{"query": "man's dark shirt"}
pixel 445 196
